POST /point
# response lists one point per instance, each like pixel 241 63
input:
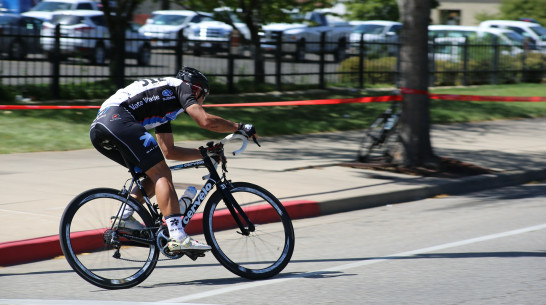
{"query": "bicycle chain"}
pixel 148 260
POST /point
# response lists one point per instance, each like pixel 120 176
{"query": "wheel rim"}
pixel 16 50
pixel 265 251
pixel 100 55
pixel 83 236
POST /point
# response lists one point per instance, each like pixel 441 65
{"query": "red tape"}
pixel 405 90
pixel 21 107
pixel 480 98
pixel 372 99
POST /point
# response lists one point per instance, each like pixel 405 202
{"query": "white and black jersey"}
pixel 120 130
pixel 154 101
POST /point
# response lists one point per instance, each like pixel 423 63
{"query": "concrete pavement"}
pixel 36 187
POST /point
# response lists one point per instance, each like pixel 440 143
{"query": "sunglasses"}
pixel 202 93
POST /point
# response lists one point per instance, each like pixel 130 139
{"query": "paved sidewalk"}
pixel 37 186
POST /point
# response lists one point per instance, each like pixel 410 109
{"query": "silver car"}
pixel 84 33
pixel 163 26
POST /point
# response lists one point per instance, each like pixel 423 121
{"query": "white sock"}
pixel 174 223
pixel 126 212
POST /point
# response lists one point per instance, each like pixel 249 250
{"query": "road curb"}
pixel 41 248
pixel 450 187
pixel 35 249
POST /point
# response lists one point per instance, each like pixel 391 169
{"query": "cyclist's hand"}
pixel 214 150
pixel 246 130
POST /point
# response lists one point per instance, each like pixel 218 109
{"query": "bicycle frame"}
pixel 214 179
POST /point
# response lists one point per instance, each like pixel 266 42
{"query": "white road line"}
pixel 84 302
pixel 215 292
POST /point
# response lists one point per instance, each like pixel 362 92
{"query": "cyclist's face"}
pixel 200 96
pixel 201 100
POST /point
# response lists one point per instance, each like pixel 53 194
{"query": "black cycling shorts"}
pixel 116 134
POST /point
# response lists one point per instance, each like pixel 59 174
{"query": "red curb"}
pixel 35 249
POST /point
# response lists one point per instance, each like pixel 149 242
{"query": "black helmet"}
pixel 193 76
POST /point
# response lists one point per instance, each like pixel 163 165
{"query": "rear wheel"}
pixel 144 55
pixel 98 55
pixel 17 50
pixel 265 250
pixel 299 54
pixel 372 142
pixel 98 250
pixel 341 51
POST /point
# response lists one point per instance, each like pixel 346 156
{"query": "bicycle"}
pixel 380 137
pixel 247 227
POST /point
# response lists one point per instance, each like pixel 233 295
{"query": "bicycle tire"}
pixel 84 230
pixel 267 250
pixel 371 140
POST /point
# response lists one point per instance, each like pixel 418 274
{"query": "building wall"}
pixel 463 12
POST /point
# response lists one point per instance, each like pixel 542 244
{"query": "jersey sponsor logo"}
pixel 148 140
pixel 167 92
pixel 150 99
pixel 136 105
pixel 197 202
pixel 115 117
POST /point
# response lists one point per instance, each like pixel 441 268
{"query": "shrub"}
pixel 376 71
pixel 534 67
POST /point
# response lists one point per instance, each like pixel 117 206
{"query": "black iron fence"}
pixel 70 68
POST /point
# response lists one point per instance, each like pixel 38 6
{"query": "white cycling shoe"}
pixel 188 244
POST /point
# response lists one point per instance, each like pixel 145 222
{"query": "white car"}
pixel 84 33
pixel 214 36
pixel 530 30
pixel 163 26
pixel 380 37
pixel 504 37
pixel 45 9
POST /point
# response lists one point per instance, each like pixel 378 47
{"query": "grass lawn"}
pixel 51 130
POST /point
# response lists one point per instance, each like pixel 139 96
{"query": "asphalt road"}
pixel 481 248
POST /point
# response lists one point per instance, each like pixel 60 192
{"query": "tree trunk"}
pixel 415 121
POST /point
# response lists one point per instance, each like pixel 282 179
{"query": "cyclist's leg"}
pixel 160 176
pixel 118 136
pixel 149 188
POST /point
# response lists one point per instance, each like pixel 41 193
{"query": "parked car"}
pixel 84 33
pixel 215 35
pixel 304 37
pixel 447 49
pixel 163 26
pixel 530 30
pixel 504 37
pixel 209 36
pixel 19 35
pixel 45 9
pixel 380 37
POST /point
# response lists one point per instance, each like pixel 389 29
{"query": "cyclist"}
pixel 120 132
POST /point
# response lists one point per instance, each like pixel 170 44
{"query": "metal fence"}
pixel 56 73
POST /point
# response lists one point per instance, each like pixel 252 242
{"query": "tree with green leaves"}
pixel 118 15
pixel 373 10
pixel 376 9
pixel 515 9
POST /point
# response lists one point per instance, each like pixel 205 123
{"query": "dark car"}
pixel 19 35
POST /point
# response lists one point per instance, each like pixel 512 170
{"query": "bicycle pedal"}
pixel 194 255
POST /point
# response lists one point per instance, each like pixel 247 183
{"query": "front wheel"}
pixel 265 250
pixel 98 250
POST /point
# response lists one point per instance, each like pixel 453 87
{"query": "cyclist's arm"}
pixel 172 152
pixel 209 121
